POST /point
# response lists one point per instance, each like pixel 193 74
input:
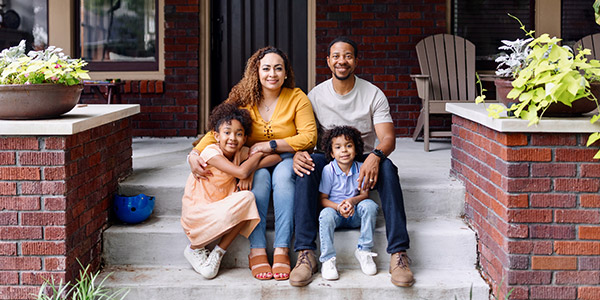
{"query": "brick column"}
pixel 533 200
pixel 55 195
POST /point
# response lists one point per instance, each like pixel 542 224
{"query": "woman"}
pixel 283 123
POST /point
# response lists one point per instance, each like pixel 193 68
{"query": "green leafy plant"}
pixel 47 66
pixel 553 74
pixel 509 64
pixel 86 287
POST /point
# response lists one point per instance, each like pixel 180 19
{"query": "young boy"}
pixel 344 204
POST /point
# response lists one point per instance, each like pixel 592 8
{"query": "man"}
pixel 348 100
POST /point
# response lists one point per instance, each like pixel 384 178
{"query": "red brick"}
pixel 7 158
pixel 20 263
pixel 8 249
pixel 38 278
pixel 574 154
pixel 530 215
pixel 43 218
pixel 57 143
pixel 8 188
pixel 553 263
pixel 20 233
pixel 528 154
pixel 578 277
pixel 9 278
pixel 43 188
pixel 589 232
pixel 8 218
pixel 159 88
pixel 19 203
pixel 511 139
pixel 590 170
pixel 542 247
pixel 55 263
pixel 55 233
pixel 553 170
pixel 350 8
pixel 514 200
pixel 553 139
pixel 529 277
pixel 55 173
pixel 43 248
pixel 18 292
pixel 588 292
pixel 589 200
pixel 553 200
pixel 19 173
pixel 42 158
pixel 520 185
pixel 577 248
pixel 55 203
pixel 577 216
pixel 589 263
pixel 520 247
pixel 553 292
pixel 576 184
pixel 14 143
pixel 558 232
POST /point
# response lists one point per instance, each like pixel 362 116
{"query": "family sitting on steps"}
pixel 277 120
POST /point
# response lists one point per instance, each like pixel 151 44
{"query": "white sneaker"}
pixel 211 267
pixel 328 270
pixel 196 257
pixel 365 258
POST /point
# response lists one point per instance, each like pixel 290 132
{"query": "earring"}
pixel 285 77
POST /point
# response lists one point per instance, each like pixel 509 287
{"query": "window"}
pixel 24 20
pixel 577 20
pixel 118 35
pixel 485 23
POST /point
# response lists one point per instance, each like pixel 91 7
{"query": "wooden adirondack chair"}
pixel 591 42
pixel 447 65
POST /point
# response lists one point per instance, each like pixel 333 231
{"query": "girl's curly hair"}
pixel 249 90
pixel 349 132
pixel 225 112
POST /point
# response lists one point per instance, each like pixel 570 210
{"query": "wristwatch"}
pixel 273 145
pixel 379 153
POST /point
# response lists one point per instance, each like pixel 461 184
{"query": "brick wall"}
pixel 533 200
pixel 55 194
pixel 169 107
pixel 387 32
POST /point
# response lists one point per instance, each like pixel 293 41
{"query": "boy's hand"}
pixel 346 209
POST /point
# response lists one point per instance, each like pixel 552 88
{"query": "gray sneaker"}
pixel 196 257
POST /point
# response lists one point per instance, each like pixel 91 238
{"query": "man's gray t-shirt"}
pixel 362 108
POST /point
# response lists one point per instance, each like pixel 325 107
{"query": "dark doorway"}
pixel 240 27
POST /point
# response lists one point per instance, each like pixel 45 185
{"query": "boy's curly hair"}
pixel 349 132
pixel 225 112
pixel 248 91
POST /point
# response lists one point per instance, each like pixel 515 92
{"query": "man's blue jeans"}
pixel 365 215
pixel 280 180
pixel 307 206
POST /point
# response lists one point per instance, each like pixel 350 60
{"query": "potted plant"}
pixel 554 81
pixel 39 84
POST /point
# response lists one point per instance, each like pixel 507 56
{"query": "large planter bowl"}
pixel 578 107
pixel 37 101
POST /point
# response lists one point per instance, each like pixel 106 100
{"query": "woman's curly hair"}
pixel 249 90
pixel 225 112
pixel 350 133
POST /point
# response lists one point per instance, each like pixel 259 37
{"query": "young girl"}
pixel 212 208
pixel 344 204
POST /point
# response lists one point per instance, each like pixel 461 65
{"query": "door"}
pixel 240 27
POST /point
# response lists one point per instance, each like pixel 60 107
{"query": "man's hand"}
pixel 367 176
pixel 303 163
pixel 198 167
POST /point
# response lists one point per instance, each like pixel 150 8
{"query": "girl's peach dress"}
pixel 211 207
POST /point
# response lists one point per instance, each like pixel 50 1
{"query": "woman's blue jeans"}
pixel 281 181
pixel 365 215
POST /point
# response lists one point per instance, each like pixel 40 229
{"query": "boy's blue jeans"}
pixel 365 215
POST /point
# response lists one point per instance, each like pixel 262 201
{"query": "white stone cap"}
pixel 79 119
pixel 478 113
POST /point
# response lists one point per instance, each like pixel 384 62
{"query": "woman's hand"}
pixel 198 166
pixel 261 147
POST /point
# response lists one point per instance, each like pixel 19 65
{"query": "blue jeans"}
pixel 392 204
pixel 280 180
pixel 365 215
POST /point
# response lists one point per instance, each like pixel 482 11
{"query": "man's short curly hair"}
pixel 225 112
pixel 349 132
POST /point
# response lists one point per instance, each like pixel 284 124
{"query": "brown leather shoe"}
pixel 305 268
pixel 399 268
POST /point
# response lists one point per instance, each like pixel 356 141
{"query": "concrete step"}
pixel 437 243
pixel 183 283
pixel 427 189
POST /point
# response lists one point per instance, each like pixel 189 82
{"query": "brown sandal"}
pixel 259 264
pixel 281 264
